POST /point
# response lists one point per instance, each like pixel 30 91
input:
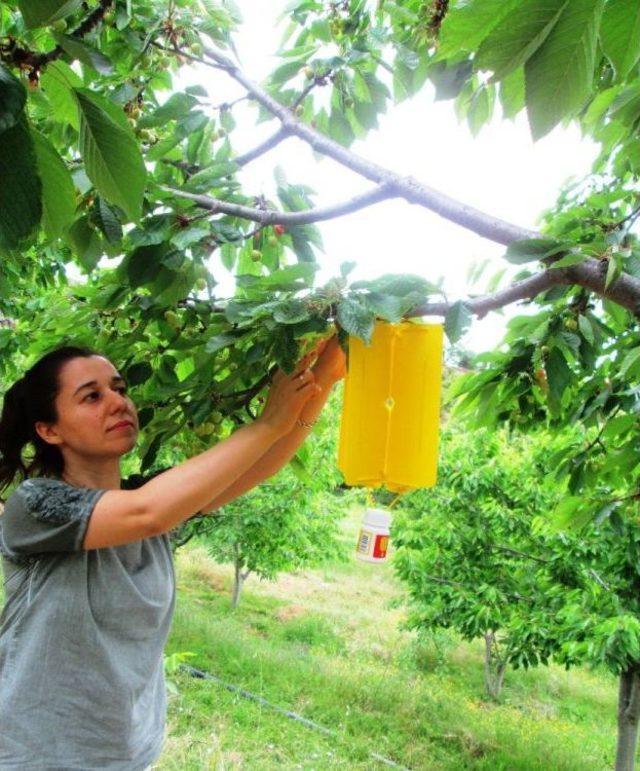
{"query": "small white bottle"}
pixel 373 538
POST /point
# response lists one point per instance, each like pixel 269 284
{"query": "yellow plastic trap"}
pixel 391 410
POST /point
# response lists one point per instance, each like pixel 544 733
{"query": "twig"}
pixel 262 148
pixel 271 216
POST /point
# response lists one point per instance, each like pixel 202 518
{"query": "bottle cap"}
pixel 377 517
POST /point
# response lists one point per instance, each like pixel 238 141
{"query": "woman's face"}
pixel 91 401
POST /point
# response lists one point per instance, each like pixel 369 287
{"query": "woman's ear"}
pixel 47 433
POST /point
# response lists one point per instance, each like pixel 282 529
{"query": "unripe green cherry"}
pixel 171 317
pixel 59 25
pixel 256 255
pixel 201 284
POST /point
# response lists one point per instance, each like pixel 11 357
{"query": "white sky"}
pixel 501 172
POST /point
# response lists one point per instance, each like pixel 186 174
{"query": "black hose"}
pixel 287 713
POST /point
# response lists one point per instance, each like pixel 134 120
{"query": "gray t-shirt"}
pixel 82 635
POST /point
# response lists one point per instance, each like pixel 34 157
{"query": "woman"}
pixel 89 581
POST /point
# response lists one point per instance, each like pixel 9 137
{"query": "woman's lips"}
pixel 121 426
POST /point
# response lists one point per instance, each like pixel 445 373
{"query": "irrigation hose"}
pixel 287 713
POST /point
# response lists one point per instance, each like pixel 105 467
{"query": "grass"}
pixel 328 645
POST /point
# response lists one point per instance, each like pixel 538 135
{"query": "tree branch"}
pixel 590 273
pixel 262 148
pixel 271 216
pixel 480 306
pixel 406 187
pixel 516 553
pixel 13 54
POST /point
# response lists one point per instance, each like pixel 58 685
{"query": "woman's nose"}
pixel 119 399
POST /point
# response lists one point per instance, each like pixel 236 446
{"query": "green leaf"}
pixel 587 330
pixel 604 512
pixel 346 268
pixel 78 49
pixel 559 75
pixel 559 375
pixel 107 220
pixel 139 373
pixel 285 349
pixel 85 242
pixel 620 35
pixel 619 425
pixel 112 158
pixel 573 512
pixel 449 79
pixel 570 259
pixel 512 96
pixel 177 106
pixel 467 24
pixel 290 277
pixel 37 13
pixel 390 307
pixel 457 321
pixel 530 249
pixel 291 311
pixel 189 236
pixel 143 264
pixel 521 32
pixel 480 108
pixel 218 342
pixel 614 269
pixel 58 190
pixel 399 284
pixel 21 188
pixel 13 96
pixel 631 358
pixel 356 318
pixel 152 452
pixel 285 72
pixel 58 82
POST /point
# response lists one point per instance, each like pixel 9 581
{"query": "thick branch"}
pixel 406 187
pixel 271 216
pixel 625 291
pixel 590 273
pixel 480 306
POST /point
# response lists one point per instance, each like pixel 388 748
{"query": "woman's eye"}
pixel 122 389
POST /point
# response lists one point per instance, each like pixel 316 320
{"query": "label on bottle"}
pixel 380 546
pixel 364 541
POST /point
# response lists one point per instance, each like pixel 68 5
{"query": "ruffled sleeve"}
pixel 46 515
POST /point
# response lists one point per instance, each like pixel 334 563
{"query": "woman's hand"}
pixel 288 395
pixel 331 364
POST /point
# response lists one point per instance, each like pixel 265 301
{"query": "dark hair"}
pixel 29 400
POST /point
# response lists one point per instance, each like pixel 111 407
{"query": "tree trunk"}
pixel 628 714
pixel 239 577
pixel 494 667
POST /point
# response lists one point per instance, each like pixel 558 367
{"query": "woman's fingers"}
pixel 304 379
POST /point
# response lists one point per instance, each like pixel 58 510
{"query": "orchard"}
pixel 107 166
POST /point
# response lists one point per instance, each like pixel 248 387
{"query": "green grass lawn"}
pixel 327 644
